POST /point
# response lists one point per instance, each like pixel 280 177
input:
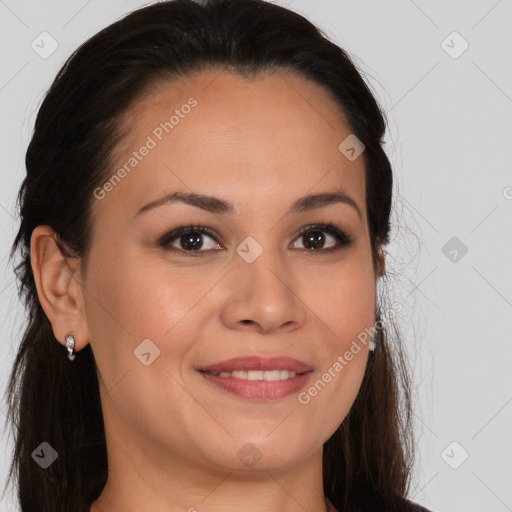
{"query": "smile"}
pixel 254 375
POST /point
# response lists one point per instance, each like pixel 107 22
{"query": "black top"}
pixel 411 507
pixel 418 508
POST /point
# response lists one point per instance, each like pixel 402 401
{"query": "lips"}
pixel 256 378
pixel 258 363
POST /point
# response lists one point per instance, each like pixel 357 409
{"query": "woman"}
pixel 203 225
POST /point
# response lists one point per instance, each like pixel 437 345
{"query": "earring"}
pixel 372 344
pixel 70 343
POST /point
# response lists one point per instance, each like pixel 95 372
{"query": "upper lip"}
pixel 258 363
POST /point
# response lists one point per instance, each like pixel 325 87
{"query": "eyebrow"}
pixel 220 206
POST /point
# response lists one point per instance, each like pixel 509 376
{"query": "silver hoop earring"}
pixel 70 343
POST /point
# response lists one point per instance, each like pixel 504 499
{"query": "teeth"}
pixel 258 374
pixel 272 375
pixel 284 374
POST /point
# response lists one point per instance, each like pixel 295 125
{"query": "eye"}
pixel 189 239
pixel 313 238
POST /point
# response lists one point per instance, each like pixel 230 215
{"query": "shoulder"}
pixel 414 507
pixel 403 505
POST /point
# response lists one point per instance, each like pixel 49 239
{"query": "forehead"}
pixel 220 133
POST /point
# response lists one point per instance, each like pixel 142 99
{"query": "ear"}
pixel 59 286
pixel 381 261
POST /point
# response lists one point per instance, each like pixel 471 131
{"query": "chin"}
pixel 265 453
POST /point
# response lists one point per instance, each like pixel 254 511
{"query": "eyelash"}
pixel 342 238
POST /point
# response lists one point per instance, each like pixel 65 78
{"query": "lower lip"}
pixel 258 389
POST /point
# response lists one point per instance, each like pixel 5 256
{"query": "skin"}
pixel 173 437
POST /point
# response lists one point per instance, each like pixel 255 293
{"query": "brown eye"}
pixel 319 238
pixel 314 238
pixel 189 239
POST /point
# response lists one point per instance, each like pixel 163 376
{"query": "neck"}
pixel 145 479
pixel 329 507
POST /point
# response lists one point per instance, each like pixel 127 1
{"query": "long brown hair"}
pixel 367 461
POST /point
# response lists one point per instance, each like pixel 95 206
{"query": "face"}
pixel 284 283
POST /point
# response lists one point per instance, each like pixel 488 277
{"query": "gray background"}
pixel 449 140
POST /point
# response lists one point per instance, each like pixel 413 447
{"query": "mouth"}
pixel 258 378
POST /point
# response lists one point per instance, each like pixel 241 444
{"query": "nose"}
pixel 261 296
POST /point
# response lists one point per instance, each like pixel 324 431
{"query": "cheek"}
pixel 343 304
pixel 138 299
pixel 343 299
pixel 131 298
pixel 128 302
